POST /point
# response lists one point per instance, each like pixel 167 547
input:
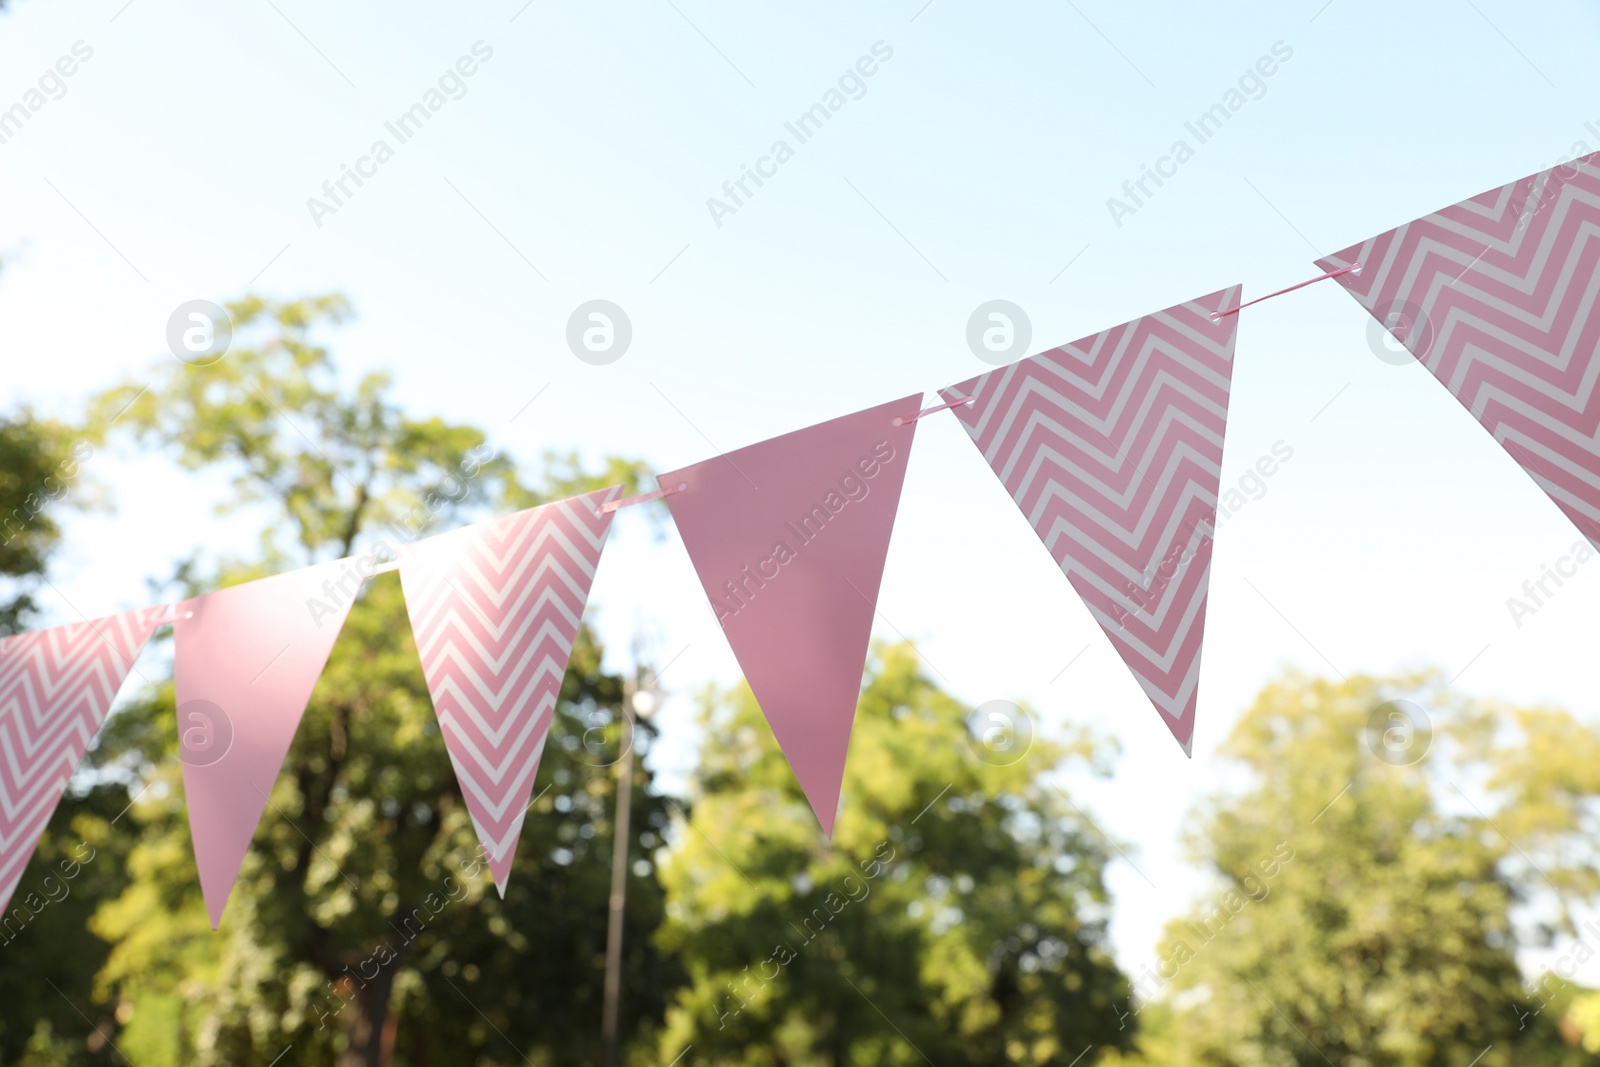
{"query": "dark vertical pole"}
pixel 619 881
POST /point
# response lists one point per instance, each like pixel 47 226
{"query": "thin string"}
pixel 901 420
pixel 174 616
pixel 642 498
pixel 1354 268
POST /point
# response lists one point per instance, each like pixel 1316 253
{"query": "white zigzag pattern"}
pixel 1063 533
pixel 1136 389
pixel 1113 446
pixel 495 611
pixel 508 791
pixel 1498 355
pixel 55 687
pixel 452 633
pixel 491 582
pixel 1174 454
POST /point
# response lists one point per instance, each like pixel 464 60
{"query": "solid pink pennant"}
pixel 247 660
pixel 1497 296
pixel 789 537
pixel 56 686
pixel 1112 448
pixel 495 609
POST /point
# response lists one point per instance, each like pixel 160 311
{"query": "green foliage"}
pixel 331 462
pixel 48 956
pixel 38 469
pixel 1542 769
pixel 365 863
pixel 1365 914
pixel 957 915
pixel 1364 909
pixel 363 915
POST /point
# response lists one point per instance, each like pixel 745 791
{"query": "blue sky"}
pixel 975 163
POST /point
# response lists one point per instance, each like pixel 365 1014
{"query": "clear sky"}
pixel 975 163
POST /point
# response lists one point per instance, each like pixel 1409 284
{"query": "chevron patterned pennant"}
pixel 495 609
pixel 1112 448
pixel 1497 296
pixel 55 689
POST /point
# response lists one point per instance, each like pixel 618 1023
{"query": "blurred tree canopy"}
pixel 1367 876
pixel 39 468
pixel 957 917
pixel 365 827
pixel 1384 853
pixel 39 473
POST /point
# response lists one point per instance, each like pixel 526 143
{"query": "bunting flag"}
pixel 246 661
pixel 789 538
pixel 1112 448
pixel 495 609
pixel 1497 297
pixel 56 686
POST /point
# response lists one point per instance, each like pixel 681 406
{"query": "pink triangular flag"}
pixel 1112 448
pixel 495 608
pixel 56 686
pixel 1497 296
pixel 246 661
pixel 789 537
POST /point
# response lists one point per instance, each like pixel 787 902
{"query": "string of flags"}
pixel 1110 445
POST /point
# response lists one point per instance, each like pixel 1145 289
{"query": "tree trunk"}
pixel 369 1037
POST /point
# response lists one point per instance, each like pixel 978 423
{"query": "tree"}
pixel 1364 907
pixel 47 958
pixel 956 917
pixel 38 468
pixel 360 927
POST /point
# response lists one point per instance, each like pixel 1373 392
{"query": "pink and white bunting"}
pixel 1497 296
pixel 56 686
pixel 496 608
pixel 789 538
pixel 246 661
pixel 1112 448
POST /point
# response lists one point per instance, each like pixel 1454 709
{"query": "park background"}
pixel 978 164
